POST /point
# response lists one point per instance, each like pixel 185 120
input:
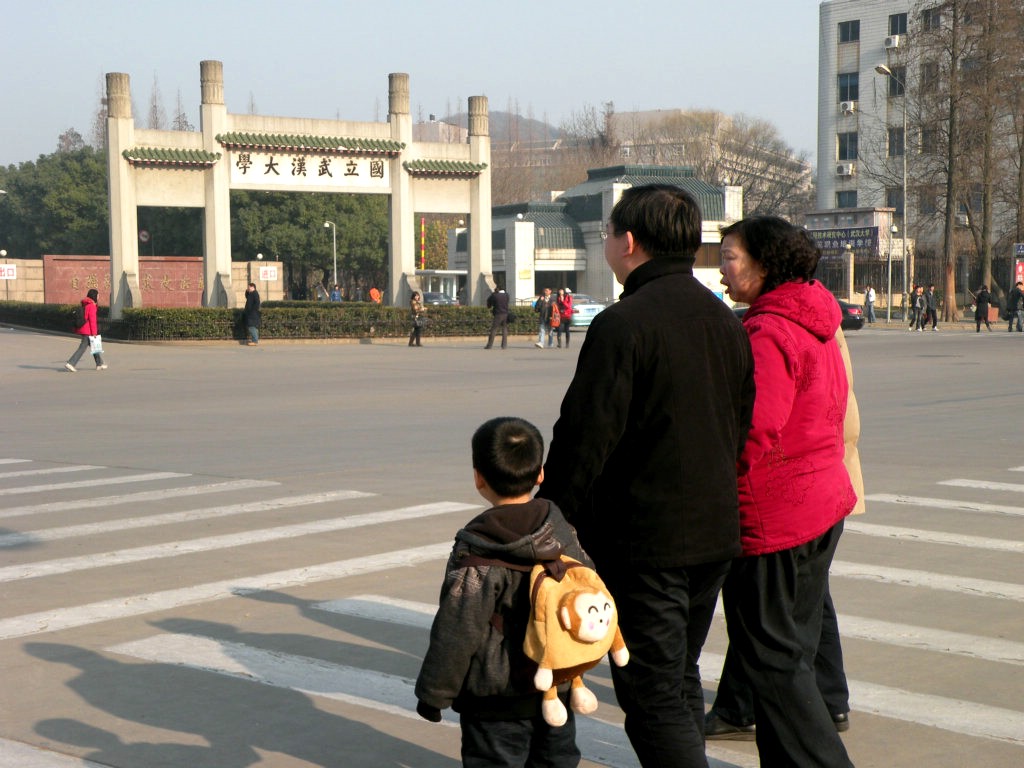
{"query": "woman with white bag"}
pixel 90 333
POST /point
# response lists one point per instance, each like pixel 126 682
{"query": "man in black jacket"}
pixel 1015 306
pixel 498 303
pixel 643 462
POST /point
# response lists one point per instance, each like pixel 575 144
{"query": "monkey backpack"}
pixel 573 624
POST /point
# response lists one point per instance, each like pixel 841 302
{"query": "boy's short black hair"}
pixel 508 452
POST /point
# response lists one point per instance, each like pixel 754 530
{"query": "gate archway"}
pixel 199 169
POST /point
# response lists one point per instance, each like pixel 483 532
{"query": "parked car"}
pixel 853 315
pixel 438 299
pixel 584 309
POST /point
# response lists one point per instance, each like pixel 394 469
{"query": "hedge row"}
pixel 280 320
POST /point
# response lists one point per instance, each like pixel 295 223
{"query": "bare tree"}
pixel 70 141
pixel 180 121
pixel 157 116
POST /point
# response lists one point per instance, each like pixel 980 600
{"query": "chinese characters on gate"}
pixel 260 169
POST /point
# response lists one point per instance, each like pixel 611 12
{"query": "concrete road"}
pixel 220 556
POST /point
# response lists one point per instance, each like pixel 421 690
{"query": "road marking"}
pixel 910 578
pixel 320 678
pixel 48 471
pixel 984 484
pixel 153 602
pixel 927 639
pixel 15 461
pixel 14 754
pixel 960 506
pixel 91 483
pixel 931 537
pixel 205 513
pixel 138 496
pixel 600 741
pixel 225 541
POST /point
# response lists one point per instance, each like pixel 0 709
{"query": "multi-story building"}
pixel 861 190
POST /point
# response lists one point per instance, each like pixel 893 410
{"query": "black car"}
pixel 853 315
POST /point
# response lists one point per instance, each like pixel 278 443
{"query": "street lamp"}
pixel 334 244
pixel 888 293
pixel 882 69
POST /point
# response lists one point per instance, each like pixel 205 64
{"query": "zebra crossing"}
pixel 213 589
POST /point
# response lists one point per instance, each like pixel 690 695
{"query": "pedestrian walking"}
pixel 90 334
pixel 252 314
pixel 982 302
pixel 498 304
pixel 869 303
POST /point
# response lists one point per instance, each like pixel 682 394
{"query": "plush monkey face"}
pixel 587 615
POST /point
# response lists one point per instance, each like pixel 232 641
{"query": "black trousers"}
pixel 734 701
pixel 529 743
pixel 499 322
pixel 664 616
pixel 773 608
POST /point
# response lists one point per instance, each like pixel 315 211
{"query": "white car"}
pixel 584 308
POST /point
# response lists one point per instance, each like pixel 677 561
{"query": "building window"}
pixel 898 24
pixel 929 141
pixel 846 199
pixel 928 203
pixel 896 142
pixel 931 19
pixel 897 81
pixel 849 31
pixel 847 146
pixel 849 86
pixel 929 77
pixel 894 199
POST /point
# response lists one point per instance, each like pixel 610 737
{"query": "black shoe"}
pixel 717 729
pixel 842 721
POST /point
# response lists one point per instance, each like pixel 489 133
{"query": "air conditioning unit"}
pixel 847 107
pixel 962 220
pixel 892 41
pixel 844 169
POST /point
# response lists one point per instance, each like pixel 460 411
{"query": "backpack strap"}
pixel 555 569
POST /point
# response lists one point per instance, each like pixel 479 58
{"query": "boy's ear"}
pixel 478 479
pixel 540 477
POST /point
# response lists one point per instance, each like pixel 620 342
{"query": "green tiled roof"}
pixel 710 198
pixel 187 158
pixel 553 228
pixel 280 142
pixel 443 168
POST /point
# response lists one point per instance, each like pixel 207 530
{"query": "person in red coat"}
pixel 87 330
pixel 794 489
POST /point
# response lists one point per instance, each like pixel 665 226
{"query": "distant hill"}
pixel 506 127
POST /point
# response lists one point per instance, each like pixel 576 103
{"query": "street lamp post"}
pixel 334 245
pixel 882 69
pixel 888 293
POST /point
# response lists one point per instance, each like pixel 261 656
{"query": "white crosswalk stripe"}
pixel 192 515
pixel 91 483
pixel 72 527
pixel 138 497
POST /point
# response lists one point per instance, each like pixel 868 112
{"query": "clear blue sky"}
pixel 331 59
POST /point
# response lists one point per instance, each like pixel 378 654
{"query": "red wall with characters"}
pixel 165 281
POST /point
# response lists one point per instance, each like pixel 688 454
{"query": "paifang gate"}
pixel 198 169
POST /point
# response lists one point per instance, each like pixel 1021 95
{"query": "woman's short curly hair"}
pixel 787 252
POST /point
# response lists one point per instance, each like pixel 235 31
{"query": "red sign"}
pixel 164 281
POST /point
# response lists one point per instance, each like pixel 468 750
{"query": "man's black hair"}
pixel 663 219
pixel 508 452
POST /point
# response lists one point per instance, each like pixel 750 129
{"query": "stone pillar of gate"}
pixel 480 278
pixel 217 288
pixel 124 221
pixel 402 243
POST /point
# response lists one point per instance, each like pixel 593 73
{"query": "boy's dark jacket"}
pixel 475 662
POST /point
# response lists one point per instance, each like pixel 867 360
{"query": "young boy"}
pixel 475 663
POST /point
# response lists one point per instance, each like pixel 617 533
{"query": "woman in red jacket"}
pixel 794 489
pixel 87 330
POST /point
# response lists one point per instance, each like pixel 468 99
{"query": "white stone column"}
pixel 402 243
pixel 480 258
pixel 124 221
pixel 217 286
